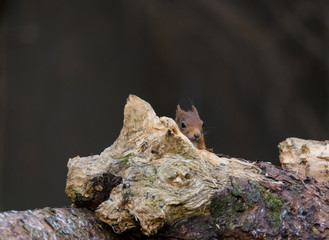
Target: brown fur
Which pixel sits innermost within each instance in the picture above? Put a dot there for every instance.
(193, 129)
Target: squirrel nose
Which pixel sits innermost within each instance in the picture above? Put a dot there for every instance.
(196, 136)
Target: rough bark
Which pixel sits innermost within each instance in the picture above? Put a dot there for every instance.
(306, 156)
(152, 183)
(154, 180)
(53, 223)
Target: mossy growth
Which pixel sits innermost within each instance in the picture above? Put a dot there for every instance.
(236, 191)
(227, 207)
(315, 231)
(124, 160)
(219, 207)
(274, 204)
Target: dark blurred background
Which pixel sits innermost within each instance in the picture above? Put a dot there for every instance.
(257, 72)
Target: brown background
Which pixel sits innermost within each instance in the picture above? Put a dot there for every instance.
(257, 72)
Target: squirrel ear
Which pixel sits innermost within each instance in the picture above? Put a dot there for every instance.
(194, 110)
(179, 112)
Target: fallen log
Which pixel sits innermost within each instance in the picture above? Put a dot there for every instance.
(308, 157)
(53, 223)
(152, 183)
(154, 180)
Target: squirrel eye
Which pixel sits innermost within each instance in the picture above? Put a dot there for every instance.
(183, 125)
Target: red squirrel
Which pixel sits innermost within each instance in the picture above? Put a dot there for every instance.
(191, 126)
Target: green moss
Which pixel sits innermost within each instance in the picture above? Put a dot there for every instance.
(247, 225)
(219, 208)
(274, 204)
(226, 210)
(253, 194)
(237, 191)
(236, 201)
(276, 221)
(271, 201)
(124, 160)
(315, 231)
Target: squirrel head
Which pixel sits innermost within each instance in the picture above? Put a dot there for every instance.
(190, 123)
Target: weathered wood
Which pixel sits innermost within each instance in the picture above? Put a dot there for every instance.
(53, 223)
(153, 179)
(308, 157)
